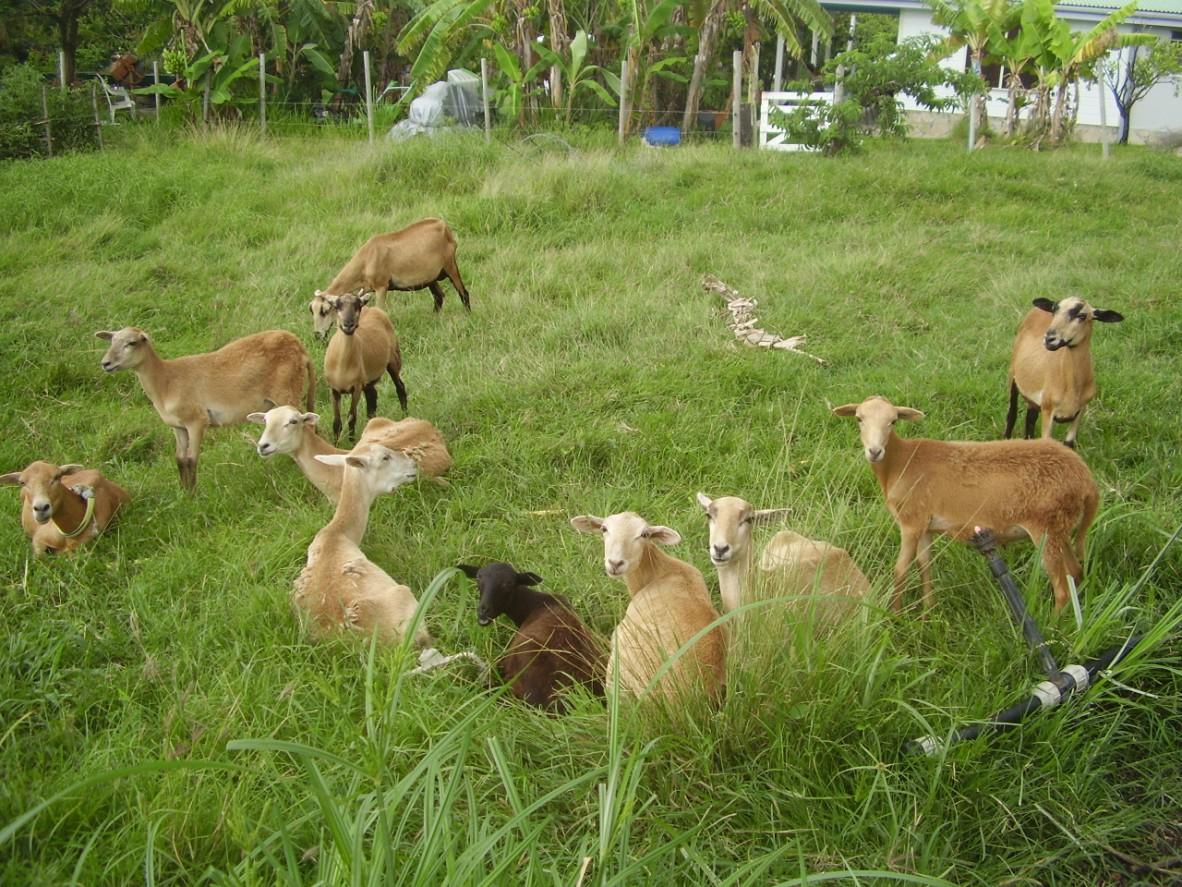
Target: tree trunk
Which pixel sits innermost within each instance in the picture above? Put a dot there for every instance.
(67, 28)
(707, 37)
(1011, 124)
(1123, 138)
(558, 43)
(356, 33)
(1057, 116)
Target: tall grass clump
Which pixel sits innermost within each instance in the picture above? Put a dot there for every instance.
(162, 718)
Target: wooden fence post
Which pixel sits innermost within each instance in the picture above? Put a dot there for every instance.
(205, 98)
(778, 79)
(484, 99)
(368, 96)
(1103, 117)
(61, 68)
(623, 99)
(98, 126)
(45, 111)
(737, 99)
(156, 83)
(263, 92)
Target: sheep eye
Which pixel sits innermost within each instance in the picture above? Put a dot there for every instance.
(292, 422)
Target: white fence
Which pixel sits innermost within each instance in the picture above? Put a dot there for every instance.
(771, 135)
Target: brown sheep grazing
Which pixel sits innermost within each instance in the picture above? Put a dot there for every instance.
(1019, 489)
(552, 649)
(1051, 366)
(414, 258)
(63, 508)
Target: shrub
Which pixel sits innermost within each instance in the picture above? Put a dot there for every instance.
(22, 127)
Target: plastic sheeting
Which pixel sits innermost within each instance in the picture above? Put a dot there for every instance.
(442, 106)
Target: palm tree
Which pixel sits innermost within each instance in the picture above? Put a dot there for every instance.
(785, 16)
(971, 22)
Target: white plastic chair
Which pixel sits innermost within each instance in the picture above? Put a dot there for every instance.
(118, 98)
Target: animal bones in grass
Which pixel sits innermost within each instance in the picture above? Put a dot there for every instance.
(743, 321)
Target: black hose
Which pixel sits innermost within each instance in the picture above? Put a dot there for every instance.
(1048, 694)
(985, 543)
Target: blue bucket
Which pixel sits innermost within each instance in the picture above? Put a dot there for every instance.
(662, 136)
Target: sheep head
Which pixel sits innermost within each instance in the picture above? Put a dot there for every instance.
(1071, 321)
(625, 538)
(876, 421)
(283, 430)
(730, 520)
(382, 470)
(41, 486)
(129, 346)
(497, 583)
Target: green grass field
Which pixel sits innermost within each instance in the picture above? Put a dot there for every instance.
(165, 721)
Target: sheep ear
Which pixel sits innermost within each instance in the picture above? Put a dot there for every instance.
(366, 298)
(662, 535)
(847, 409)
(13, 477)
(1105, 316)
(269, 404)
(1045, 304)
(71, 468)
(587, 523)
(355, 461)
(310, 418)
(257, 418)
(105, 335)
(704, 500)
(468, 570)
(909, 414)
(766, 515)
(529, 579)
(337, 459)
(317, 294)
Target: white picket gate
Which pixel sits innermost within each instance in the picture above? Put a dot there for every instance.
(772, 136)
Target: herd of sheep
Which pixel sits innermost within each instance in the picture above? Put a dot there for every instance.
(670, 640)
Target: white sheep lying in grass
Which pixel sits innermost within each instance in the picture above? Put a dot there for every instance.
(339, 587)
(217, 388)
(1016, 488)
(789, 565)
(1051, 365)
(669, 605)
(63, 508)
(288, 430)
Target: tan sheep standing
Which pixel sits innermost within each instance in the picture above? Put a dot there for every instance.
(363, 348)
(221, 387)
(1051, 365)
(1019, 489)
(669, 605)
(65, 507)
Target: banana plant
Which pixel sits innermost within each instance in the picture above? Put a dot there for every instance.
(575, 74)
(511, 101)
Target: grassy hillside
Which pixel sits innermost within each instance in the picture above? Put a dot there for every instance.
(593, 375)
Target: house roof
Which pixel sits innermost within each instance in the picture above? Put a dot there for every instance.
(1160, 13)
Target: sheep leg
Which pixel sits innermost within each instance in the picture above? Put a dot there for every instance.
(1031, 418)
(379, 296)
(1047, 414)
(194, 435)
(354, 396)
(925, 569)
(1012, 415)
(436, 294)
(452, 270)
(371, 399)
(908, 543)
(336, 414)
(393, 370)
(1053, 562)
(1073, 428)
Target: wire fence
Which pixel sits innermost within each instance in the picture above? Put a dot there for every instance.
(75, 119)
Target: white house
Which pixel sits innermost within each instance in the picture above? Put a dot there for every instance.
(1159, 113)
